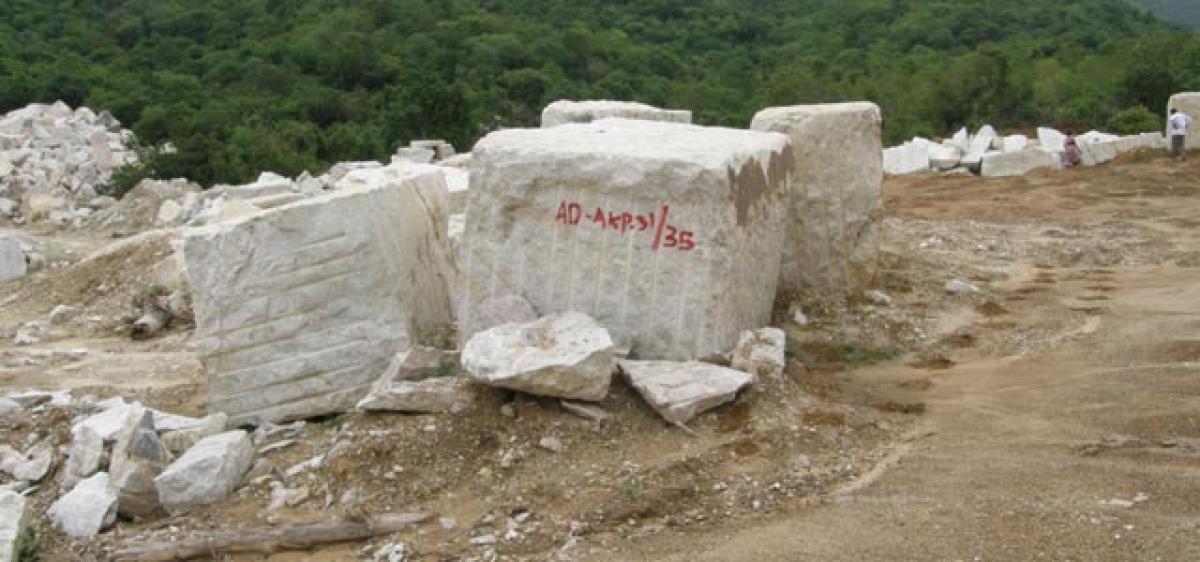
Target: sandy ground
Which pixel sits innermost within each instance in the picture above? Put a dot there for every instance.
(1053, 415)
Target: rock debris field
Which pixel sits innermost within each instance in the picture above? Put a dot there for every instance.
(606, 338)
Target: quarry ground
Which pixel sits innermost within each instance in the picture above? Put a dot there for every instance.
(1053, 415)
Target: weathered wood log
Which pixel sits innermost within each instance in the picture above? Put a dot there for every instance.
(270, 540)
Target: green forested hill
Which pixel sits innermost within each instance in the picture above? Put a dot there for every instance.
(247, 85)
(1183, 12)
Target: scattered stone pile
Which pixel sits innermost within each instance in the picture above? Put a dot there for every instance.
(123, 460)
(989, 154)
(51, 155)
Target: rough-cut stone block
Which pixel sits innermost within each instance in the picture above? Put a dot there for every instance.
(298, 309)
(669, 235)
(206, 473)
(1002, 164)
(835, 196)
(908, 158)
(680, 391)
(1189, 103)
(564, 111)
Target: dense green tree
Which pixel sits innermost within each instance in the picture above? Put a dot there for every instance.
(242, 86)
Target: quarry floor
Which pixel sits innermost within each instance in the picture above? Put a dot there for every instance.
(1019, 457)
(1054, 415)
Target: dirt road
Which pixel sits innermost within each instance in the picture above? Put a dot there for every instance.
(1086, 447)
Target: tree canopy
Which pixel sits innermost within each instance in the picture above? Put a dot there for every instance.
(241, 86)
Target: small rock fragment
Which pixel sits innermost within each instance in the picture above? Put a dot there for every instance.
(585, 411)
(87, 509)
(62, 314)
(206, 473)
(761, 352)
(552, 444)
(960, 287)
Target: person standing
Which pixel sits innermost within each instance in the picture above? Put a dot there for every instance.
(1178, 126)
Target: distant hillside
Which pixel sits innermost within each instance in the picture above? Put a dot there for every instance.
(1186, 12)
(241, 86)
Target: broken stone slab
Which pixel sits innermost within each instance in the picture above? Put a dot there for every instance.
(908, 158)
(681, 391)
(1189, 103)
(138, 458)
(1005, 164)
(761, 352)
(832, 237)
(944, 158)
(565, 355)
(299, 308)
(427, 396)
(179, 440)
(207, 473)
(668, 235)
(13, 520)
(87, 509)
(1051, 140)
(85, 456)
(563, 112)
(12, 259)
(979, 146)
(421, 379)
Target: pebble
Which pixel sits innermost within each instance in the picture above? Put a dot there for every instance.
(552, 444)
(960, 287)
(484, 540)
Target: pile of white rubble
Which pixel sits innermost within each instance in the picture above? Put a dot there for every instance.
(51, 155)
(990, 154)
(124, 459)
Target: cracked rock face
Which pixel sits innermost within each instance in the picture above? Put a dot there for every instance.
(668, 235)
(681, 391)
(567, 355)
